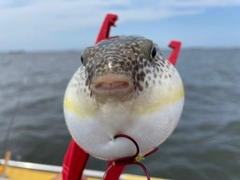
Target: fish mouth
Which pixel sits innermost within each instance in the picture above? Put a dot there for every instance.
(112, 84)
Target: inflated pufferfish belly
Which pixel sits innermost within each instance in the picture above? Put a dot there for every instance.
(124, 86)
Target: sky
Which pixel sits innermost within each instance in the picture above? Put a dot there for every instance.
(53, 25)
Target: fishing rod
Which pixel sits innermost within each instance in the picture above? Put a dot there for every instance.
(13, 118)
(10, 128)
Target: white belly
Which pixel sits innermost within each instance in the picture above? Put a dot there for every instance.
(96, 136)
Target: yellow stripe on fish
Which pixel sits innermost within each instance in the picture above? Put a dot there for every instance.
(160, 101)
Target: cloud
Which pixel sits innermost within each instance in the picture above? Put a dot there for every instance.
(203, 3)
(57, 15)
(24, 19)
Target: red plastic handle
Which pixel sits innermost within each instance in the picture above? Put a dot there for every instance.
(175, 45)
(74, 162)
(109, 21)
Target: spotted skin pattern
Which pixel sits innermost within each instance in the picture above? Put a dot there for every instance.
(153, 107)
(127, 57)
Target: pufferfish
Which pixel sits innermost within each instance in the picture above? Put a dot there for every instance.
(124, 86)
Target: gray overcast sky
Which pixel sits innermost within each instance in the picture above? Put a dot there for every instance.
(66, 25)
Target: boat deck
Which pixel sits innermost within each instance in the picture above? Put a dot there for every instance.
(32, 171)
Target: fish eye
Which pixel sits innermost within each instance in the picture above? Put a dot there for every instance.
(154, 52)
(85, 55)
(82, 59)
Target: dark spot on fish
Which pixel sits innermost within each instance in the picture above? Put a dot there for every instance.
(115, 69)
(121, 63)
(136, 68)
(86, 82)
(145, 63)
(146, 84)
(148, 71)
(139, 86)
(142, 74)
(128, 63)
(161, 62)
(138, 77)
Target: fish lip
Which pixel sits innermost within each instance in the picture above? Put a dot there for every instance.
(112, 84)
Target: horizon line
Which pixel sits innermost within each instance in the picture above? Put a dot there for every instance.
(21, 51)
